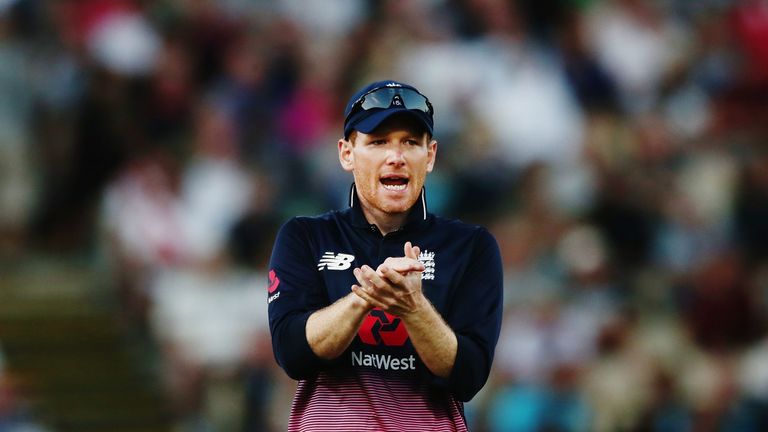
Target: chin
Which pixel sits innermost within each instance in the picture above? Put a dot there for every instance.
(398, 207)
(395, 210)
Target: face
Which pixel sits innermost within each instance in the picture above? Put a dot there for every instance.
(389, 165)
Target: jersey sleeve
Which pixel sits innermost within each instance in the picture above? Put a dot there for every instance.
(475, 317)
(295, 292)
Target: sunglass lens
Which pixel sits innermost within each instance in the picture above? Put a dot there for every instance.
(413, 100)
(382, 98)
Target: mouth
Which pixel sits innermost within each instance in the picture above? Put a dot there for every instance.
(394, 182)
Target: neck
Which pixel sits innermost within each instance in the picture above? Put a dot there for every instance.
(385, 222)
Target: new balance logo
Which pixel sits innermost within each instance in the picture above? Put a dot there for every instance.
(331, 261)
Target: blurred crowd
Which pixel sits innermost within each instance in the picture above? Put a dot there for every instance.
(617, 149)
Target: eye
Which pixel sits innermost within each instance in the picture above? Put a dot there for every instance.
(413, 142)
(378, 142)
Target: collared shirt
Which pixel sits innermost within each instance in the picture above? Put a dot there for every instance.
(379, 382)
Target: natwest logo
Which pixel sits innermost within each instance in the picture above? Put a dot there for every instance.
(274, 282)
(380, 327)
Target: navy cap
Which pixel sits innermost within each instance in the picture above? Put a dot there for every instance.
(367, 121)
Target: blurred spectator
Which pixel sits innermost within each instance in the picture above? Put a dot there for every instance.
(216, 190)
(718, 308)
(754, 372)
(636, 42)
(142, 213)
(205, 322)
(17, 174)
(751, 206)
(142, 223)
(751, 31)
(15, 414)
(530, 408)
(695, 227)
(501, 92)
(592, 84)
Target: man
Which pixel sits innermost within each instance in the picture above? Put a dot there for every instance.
(386, 314)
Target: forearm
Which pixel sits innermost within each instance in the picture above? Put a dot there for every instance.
(330, 330)
(432, 338)
(395, 287)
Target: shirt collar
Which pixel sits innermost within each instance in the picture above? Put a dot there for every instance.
(417, 214)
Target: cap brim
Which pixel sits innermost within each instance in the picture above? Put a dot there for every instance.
(375, 119)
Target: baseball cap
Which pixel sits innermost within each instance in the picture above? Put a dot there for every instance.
(376, 102)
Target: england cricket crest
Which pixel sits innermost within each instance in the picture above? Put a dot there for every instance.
(428, 259)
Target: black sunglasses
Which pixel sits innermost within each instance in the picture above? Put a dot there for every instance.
(384, 97)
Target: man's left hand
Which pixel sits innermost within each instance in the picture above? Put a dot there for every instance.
(395, 286)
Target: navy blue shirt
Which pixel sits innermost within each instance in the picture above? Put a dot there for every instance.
(311, 267)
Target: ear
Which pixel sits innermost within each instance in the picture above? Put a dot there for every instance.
(346, 156)
(431, 155)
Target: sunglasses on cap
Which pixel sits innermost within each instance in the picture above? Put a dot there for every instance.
(386, 97)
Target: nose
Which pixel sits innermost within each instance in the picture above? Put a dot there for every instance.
(395, 156)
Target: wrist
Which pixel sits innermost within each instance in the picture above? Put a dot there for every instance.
(420, 306)
(358, 304)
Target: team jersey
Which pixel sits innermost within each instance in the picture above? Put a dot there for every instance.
(379, 383)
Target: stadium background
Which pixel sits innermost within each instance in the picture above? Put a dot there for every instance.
(616, 148)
